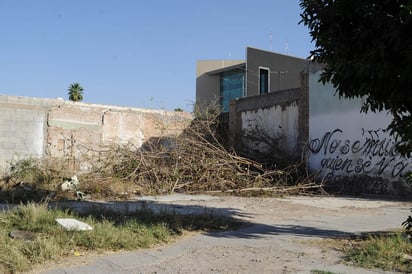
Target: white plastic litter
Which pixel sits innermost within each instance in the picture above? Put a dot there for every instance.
(73, 224)
(72, 184)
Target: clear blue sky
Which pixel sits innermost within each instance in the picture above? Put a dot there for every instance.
(136, 53)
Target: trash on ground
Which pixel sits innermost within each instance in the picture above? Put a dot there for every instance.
(21, 235)
(73, 224)
(72, 184)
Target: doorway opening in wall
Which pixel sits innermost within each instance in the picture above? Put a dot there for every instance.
(264, 80)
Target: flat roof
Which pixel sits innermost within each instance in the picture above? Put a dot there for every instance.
(241, 66)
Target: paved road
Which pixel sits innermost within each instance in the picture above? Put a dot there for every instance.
(283, 237)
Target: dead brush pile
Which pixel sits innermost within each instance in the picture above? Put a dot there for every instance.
(33, 179)
(195, 161)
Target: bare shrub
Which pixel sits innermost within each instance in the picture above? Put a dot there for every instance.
(33, 179)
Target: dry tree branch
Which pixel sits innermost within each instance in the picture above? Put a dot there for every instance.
(195, 161)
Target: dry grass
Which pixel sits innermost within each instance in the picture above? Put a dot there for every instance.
(111, 232)
(390, 251)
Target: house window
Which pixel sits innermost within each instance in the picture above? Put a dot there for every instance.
(232, 86)
(263, 80)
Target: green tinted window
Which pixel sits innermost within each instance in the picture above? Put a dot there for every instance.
(231, 87)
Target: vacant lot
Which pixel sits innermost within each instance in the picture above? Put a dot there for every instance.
(284, 236)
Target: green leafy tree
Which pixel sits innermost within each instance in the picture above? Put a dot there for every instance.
(75, 92)
(366, 46)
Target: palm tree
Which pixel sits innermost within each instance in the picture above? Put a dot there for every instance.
(75, 92)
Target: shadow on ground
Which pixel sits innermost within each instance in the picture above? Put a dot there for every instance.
(220, 222)
(255, 231)
(211, 219)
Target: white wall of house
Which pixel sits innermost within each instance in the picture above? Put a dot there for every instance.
(344, 142)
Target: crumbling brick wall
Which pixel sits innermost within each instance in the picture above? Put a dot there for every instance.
(76, 131)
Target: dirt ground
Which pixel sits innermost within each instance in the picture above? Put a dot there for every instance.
(285, 235)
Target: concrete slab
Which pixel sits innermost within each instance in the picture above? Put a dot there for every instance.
(73, 224)
(336, 203)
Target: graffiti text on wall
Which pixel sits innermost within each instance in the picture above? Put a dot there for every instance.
(372, 154)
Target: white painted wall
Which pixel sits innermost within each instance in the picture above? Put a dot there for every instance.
(344, 142)
(278, 122)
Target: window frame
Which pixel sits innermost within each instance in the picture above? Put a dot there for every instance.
(259, 80)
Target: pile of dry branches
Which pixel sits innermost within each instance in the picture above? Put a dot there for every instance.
(195, 161)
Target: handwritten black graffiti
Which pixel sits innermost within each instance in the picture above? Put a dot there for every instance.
(329, 144)
(384, 166)
(364, 184)
(372, 154)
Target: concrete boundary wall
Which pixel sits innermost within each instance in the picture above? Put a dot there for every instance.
(262, 123)
(54, 128)
(23, 128)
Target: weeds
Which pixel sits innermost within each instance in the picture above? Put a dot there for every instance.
(390, 251)
(32, 180)
(111, 232)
